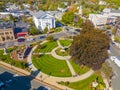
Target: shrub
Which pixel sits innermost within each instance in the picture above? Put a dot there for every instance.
(50, 38)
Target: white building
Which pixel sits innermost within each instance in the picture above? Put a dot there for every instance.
(111, 12)
(106, 17)
(98, 19)
(43, 20)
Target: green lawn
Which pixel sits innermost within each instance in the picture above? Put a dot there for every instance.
(58, 52)
(79, 69)
(86, 83)
(50, 65)
(58, 29)
(65, 42)
(46, 47)
(6, 58)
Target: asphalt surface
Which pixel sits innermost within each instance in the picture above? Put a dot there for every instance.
(115, 82)
(15, 81)
(36, 39)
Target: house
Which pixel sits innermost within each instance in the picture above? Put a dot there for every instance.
(43, 20)
(62, 9)
(12, 8)
(57, 14)
(102, 3)
(4, 14)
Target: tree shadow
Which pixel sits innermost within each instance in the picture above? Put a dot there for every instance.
(42, 47)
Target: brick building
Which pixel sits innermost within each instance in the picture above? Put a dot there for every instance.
(6, 34)
(6, 31)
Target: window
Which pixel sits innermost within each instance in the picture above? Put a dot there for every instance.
(3, 38)
(10, 32)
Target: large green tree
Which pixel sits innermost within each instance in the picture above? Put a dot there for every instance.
(68, 17)
(90, 48)
(34, 31)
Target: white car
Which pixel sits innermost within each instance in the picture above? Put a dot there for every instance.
(29, 39)
(113, 58)
(116, 60)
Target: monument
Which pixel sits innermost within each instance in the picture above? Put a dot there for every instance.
(5, 51)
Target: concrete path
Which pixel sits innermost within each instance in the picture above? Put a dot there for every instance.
(61, 45)
(57, 56)
(53, 80)
(50, 79)
(41, 53)
(71, 68)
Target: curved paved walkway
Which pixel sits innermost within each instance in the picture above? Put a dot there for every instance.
(53, 80)
(57, 56)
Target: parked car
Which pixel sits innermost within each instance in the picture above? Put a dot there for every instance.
(42, 36)
(112, 58)
(29, 39)
(21, 39)
(116, 60)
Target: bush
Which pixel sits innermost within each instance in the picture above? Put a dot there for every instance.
(108, 27)
(116, 39)
(113, 31)
(46, 30)
(50, 38)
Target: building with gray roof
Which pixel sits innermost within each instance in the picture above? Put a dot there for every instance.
(43, 19)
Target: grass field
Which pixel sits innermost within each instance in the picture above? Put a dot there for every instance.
(46, 47)
(86, 83)
(79, 69)
(65, 42)
(51, 66)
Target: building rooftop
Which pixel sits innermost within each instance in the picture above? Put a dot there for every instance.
(39, 14)
(5, 25)
(115, 11)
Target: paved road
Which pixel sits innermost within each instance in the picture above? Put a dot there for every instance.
(115, 51)
(15, 81)
(116, 70)
(56, 36)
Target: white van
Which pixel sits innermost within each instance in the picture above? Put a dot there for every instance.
(116, 60)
